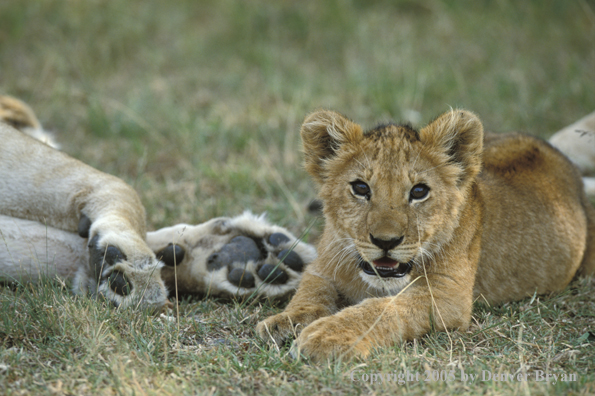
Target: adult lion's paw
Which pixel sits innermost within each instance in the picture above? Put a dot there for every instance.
(231, 257)
(332, 337)
(121, 268)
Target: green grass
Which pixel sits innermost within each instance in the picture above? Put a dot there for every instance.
(198, 106)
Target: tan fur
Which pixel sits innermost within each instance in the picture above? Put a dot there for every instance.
(577, 142)
(30, 250)
(520, 226)
(20, 116)
(45, 186)
(44, 193)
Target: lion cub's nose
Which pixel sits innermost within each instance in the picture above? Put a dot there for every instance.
(386, 244)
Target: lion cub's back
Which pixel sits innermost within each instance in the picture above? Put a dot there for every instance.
(534, 219)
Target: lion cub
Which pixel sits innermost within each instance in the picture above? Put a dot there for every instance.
(421, 223)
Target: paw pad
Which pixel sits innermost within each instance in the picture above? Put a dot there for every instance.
(171, 255)
(291, 259)
(241, 278)
(251, 257)
(239, 249)
(113, 255)
(84, 226)
(264, 253)
(119, 284)
(278, 238)
(275, 276)
(100, 258)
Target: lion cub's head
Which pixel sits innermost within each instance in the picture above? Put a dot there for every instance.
(392, 195)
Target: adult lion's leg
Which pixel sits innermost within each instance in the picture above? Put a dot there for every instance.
(30, 250)
(588, 264)
(577, 142)
(238, 257)
(41, 184)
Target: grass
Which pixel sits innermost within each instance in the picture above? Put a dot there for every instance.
(198, 106)
(55, 343)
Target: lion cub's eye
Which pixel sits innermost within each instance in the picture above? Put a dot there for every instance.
(360, 188)
(419, 191)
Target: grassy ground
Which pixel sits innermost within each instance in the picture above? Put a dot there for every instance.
(198, 106)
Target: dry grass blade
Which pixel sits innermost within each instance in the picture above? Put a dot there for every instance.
(205, 93)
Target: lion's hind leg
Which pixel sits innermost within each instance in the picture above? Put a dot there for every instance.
(41, 184)
(577, 142)
(30, 250)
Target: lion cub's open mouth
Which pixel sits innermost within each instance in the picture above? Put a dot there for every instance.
(386, 267)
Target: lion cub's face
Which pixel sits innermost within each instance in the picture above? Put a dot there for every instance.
(391, 195)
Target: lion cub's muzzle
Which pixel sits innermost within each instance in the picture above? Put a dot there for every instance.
(385, 267)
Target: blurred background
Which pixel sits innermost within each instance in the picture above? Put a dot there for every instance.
(198, 104)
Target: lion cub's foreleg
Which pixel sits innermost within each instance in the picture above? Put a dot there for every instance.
(315, 298)
(383, 322)
(375, 322)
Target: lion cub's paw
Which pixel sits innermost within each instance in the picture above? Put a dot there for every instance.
(331, 337)
(288, 325)
(232, 257)
(278, 328)
(131, 279)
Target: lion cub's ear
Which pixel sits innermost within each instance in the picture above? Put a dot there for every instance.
(323, 133)
(459, 135)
